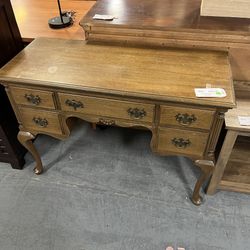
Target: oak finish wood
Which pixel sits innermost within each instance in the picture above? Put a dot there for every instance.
(167, 23)
(106, 107)
(45, 97)
(202, 118)
(26, 139)
(123, 86)
(243, 109)
(28, 115)
(130, 71)
(198, 141)
(232, 170)
(33, 15)
(207, 168)
(226, 8)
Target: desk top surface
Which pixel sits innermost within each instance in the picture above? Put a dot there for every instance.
(32, 18)
(242, 109)
(163, 15)
(153, 73)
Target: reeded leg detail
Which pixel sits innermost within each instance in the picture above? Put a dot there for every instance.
(207, 168)
(25, 138)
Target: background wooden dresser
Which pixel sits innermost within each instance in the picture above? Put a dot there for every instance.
(168, 23)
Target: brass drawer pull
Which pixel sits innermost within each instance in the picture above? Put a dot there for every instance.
(185, 119)
(75, 104)
(136, 113)
(34, 99)
(40, 122)
(106, 122)
(181, 143)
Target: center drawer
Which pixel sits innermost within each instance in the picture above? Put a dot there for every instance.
(107, 107)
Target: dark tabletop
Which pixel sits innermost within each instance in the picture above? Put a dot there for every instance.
(163, 14)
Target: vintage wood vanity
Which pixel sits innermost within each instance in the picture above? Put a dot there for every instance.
(53, 80)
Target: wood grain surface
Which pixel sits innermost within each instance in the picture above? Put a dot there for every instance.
(45, 97)
(106, 107)
(198, 141)
(203, 118)
(153, 73)
(32, 17)
(226, 8)
(242, 109)
(122, 86)
(236, 176)
(167, 23)
(232, 169)
(28, 115)
(162, 15)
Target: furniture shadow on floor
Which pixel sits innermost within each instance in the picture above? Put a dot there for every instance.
(115, 158)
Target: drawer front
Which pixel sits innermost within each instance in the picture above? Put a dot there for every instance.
(186, 117)
(33, 97)
(182, 141)
(106, 107)
(42, 121)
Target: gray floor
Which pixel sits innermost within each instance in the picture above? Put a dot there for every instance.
(105, 190)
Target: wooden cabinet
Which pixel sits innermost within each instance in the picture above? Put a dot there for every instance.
(11, 150)
(232, 170)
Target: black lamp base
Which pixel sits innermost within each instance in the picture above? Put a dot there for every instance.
(56, 22)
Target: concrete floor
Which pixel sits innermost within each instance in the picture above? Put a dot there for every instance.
(105, 190)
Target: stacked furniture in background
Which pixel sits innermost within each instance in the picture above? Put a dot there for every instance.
(232, 170)
(167, 23)
(11, 150)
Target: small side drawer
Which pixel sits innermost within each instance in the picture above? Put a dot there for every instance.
(106, 107)
(182, 141)
(186, 117)
(42, 121)
(33, 97)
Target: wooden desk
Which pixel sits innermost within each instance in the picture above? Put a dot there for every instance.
(171, 23)
(51, 81)
(32, 17)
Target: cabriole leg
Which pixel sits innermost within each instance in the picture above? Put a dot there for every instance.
(207, 168)
(25, 138)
